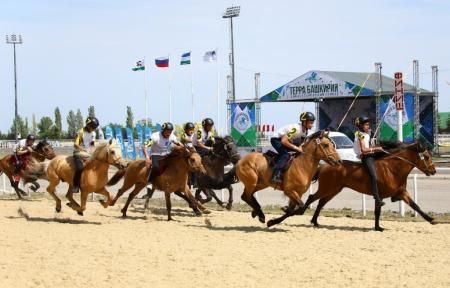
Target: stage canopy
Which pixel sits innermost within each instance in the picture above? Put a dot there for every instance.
(315, 85)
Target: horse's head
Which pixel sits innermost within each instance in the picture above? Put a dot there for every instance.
(45, 149)
(195, 162)
(324, 148)
(425, 160)
(111, 153)
(226, 148)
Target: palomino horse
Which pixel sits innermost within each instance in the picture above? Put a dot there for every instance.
(174, 178)
(43, 150)
(93, 178)
(254, 171)
(392, 171)
(224, 152)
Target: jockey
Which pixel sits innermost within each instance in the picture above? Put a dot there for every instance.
(22, 149)
(204, 137)
(187, 136)
(367, 154)
(83, 147)
(160, 146)
(284, 139)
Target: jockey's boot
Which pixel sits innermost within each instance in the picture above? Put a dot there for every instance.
(276, 177)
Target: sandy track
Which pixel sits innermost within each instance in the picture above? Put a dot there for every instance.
(229, 249)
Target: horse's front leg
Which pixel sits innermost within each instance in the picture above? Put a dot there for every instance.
(405, 196)
(105, 193)
(230, 198)
(295, 199)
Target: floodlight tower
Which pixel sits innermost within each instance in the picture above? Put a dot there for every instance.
(15, 39)
(230, 13)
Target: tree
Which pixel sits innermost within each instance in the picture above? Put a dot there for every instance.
(45, 128)
(33, 124)
(71, 124)
(57, 129)
(79, 120)
(91, 111)
(22, 128)
(130, 118)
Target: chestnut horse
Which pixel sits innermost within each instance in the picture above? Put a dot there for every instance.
(254, 172)
(392, 172)
(43, 150)
(93, 178)
(174, 178)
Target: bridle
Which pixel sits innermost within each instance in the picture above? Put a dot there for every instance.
(421, 157)
(327, 155)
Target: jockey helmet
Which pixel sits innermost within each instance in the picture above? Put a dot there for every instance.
(92, 122)
(31, 137)
(307, 116)
(207, 121)
(361, 120)
(189, 125)
(167, 126)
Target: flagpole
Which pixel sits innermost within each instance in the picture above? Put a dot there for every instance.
(170, 93)
(218, 94)
(192, 94)
(146, 95)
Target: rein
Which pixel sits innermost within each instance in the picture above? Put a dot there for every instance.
(407, 161)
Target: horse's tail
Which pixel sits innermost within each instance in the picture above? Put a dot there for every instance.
(116, 177)
(35, 171)
(316, 175)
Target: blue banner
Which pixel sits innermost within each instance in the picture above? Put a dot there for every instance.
(147, 133)
(109, 134)
(131, 150)
(140, 140)
(119, 138)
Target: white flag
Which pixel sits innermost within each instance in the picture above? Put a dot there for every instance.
(210, 56)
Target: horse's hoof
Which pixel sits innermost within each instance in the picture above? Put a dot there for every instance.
(198, 213)
(284, 208)
(80, 213)
(58, 209)
(270, 223)
(254, 214)
(104, 204)
(262, 219)
(206, 211)
(229, 206)
(124, 215)
(379, 229)
(433, 222)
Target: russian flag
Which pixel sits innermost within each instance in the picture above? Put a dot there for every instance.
(162, 62)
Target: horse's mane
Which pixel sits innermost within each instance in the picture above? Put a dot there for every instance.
(98, 148)
(395, 147)
(313, 136)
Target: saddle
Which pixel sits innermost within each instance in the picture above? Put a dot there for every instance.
(272, 158)
(24, 158)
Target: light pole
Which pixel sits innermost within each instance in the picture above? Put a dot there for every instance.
(231, 12)
(13, 39)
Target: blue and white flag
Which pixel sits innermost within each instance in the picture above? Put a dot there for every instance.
(140, 140)
(131, 150)
(186, 58)
(109, 133)
(119, 139)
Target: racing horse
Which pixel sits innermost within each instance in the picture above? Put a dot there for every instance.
(173, 177)
(93, 178)
(392, 172)
(224, 152)
(43, 150)
(254, 171)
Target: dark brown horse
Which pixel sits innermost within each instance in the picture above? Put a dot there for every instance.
(392, 172)
(254, 171)
(43, 150)
(173, 179)
(224, 152)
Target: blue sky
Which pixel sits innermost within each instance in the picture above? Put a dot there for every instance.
(80, 53)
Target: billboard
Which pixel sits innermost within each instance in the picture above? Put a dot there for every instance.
(243, 124)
